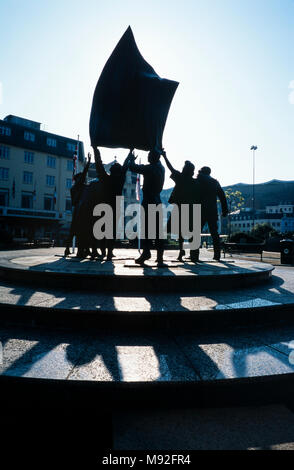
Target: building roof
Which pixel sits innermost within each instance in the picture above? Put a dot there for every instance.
(259, 215)
(40, 143)
(23, 122)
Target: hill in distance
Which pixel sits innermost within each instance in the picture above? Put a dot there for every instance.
(266, 194)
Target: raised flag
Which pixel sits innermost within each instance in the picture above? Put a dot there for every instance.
(131, 102)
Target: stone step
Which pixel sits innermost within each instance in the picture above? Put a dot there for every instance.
(31, 305)
(48, 267)
(247, 366)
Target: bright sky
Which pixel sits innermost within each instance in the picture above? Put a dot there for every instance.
(234, 60)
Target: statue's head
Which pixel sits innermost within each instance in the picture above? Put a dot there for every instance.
(188, 168)
(153, 156)
(205, 170)
(115, 169)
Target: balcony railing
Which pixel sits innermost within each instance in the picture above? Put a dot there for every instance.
(30, 213)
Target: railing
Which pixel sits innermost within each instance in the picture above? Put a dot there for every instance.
(38, 214)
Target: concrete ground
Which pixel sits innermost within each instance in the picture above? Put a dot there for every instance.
(279, 290)
(114, 356)
(146, 357)
(236, 428)
(52, 260)
(157, 355)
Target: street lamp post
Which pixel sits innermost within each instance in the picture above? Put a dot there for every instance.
(253, 148)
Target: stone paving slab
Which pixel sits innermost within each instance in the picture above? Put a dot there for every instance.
(279, 291)
(50, 268)
(123, 264)
(147, 357)
(250, 352)
(236, 428)
(232, 360)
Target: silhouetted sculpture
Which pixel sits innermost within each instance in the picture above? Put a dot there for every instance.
(76, 193)
(131, 102)
(129, 110)
(93, 195)
(153, 174)
(184, 192)
(111, 186)
(210, 190)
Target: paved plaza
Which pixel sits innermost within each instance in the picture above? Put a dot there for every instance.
(157, 354)
(112, 356)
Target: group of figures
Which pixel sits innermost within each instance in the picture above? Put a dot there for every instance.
(188, 190)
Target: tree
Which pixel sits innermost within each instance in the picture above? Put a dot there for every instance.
(263, 231)
(235, 199)
(235, 202)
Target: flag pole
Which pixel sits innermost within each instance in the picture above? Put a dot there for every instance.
(74, 172)
(139, 213)
(78, 148)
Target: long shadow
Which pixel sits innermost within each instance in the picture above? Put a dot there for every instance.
(273, 291)
(109, 352)
(162, 358)
(24, 363)
(239, 347)
(176, 357)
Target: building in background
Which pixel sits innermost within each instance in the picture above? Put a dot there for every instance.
(280, 217)
(36, 169)
(285, 208)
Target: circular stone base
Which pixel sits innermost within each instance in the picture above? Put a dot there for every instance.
(49, 267)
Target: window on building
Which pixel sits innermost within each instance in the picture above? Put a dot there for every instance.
(4, 173)
(48, 202)
(29, 136)
(50, 180)
(134, 179)
(69, 165)
(133, 193)
(68, 204)
(26, 200)
(71, 147)
(51, 161)
(4, 152)
(51, 142)
(68, 183)
(29, 157)
(27, 177)
(5, 130)
(4, 197)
